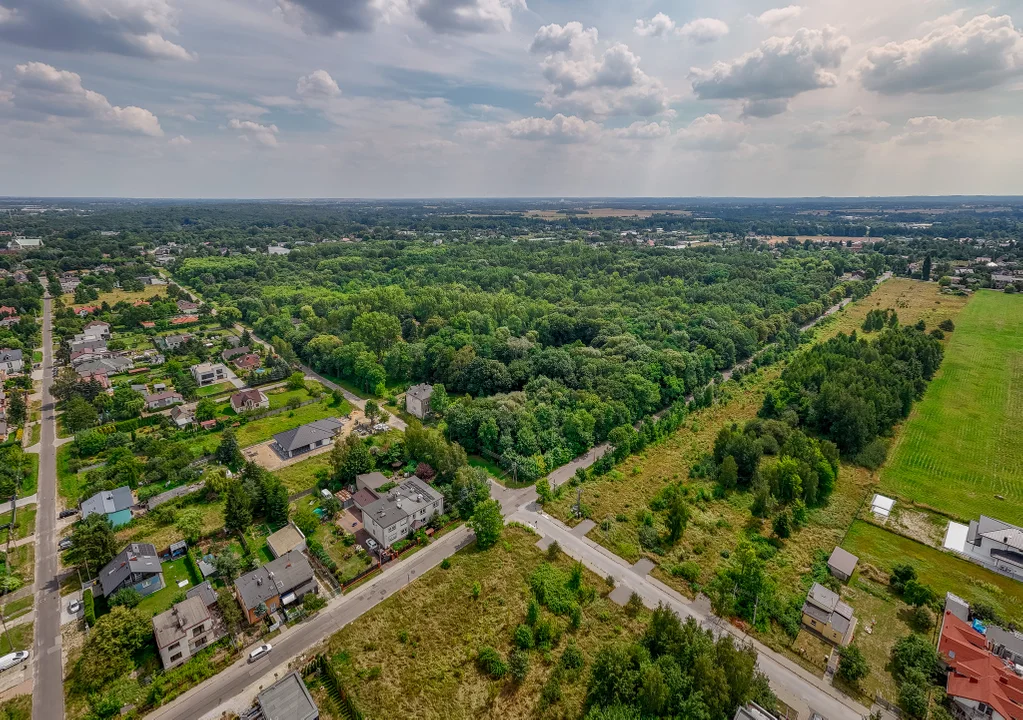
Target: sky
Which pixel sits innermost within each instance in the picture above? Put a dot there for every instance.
(497, 98)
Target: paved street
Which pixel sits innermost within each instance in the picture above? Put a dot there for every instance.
(48, 697)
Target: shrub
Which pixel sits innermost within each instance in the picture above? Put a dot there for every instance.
(634, 605)
(553, 551)
(921, 618)
(313, 602)
(649, 538)
(575, 617)
(518, 665)
(688, 571)
(901, 574)
(572, 657)
(489, 662)
(524, 637)
(128, 597)
(547, 633)
(89, 604)
(551, 692)
(445, 563)
(947, 325)
(852, 666)
(873, 455)
(533, 611)
(782, 524)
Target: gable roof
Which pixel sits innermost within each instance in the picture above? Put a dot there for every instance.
(290, 571)
(421, 391)
(234, 352)
(107, 502)
(976, 673)
(136, 558)
(305, 435)
(173, 625)
(253, 394)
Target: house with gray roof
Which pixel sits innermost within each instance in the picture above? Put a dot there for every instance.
(306, 438)
(114, 504)
(287, 699)
(842, 564)
(826, 614)
(400, 511)
(996, 545)
(11, 361)
(185, 630)
(104, 366)
(203, 591)
(275, 585)
(136, 566)
(417, 400)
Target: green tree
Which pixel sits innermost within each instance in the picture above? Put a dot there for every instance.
(852, 666)
(93, 544)
(372, 409)
(296, 381)
(228, 453)
(237, 509)
(107, 653)
(470, 487)
(487, 522)
(228, 566)
(16, 410)
(728, 473)
(127, 403)
(79, 414)
(275, 501)
(205, 410)
(350, 457)
(377, 330)
(925, 272)
(229, 610)
(128, 597)
(189, 523)
(305, 520)
(678, 516)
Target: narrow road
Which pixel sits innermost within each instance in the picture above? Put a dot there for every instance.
(48, 694)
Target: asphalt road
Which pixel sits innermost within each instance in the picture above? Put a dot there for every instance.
(48, 690)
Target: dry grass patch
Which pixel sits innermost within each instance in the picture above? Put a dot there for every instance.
(913, 300)
(413, 656)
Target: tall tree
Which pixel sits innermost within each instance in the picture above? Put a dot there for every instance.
(487, 522)
(93, 544)
(228, 453)
(237, 509)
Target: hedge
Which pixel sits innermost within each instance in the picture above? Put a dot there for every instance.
(90, 607)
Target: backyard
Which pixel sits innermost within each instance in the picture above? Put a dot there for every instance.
(302, 475)
(959, 451)
(173, 573)
(351, 559)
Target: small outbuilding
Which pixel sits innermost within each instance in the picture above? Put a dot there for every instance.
(842, 564)
(287, 699)
(285, 540)
(882, 506)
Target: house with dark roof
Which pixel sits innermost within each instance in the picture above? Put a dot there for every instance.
(106, 365)
(287, 699)
(136, 566)
(114, 504)
(172, 342)
(187, 305)
(249, 361)
(249, 400)
(184, 630)
(234, 352)
(996, 545)
(11, 361)
(277, 584)
(826, 614)
(400, 511)
(980, 684)
(417, 400)
(306, 438)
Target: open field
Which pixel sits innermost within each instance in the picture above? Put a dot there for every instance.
(17, 708)
(961, 447)
(115, 296)
(941, 570)
(148, 530)
(263, 429)
(413, 656)
(302, 475)
(913, 300)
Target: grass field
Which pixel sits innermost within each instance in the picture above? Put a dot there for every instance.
(115, 296)
(162, 599)
(263, 429)
(67, 481)
(30, 483)
(940, 570)
(18, 637)
(961, 447)
(302, 475)
(25, 523)
(214, 390)
(17, 708)
(413, 655)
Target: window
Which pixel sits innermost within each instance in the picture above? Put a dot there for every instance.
(198, 631)
(200, 642)
(175, 646)
(175, 658)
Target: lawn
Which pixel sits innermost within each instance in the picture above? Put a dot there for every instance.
(941, 570)
(162, 599)
(263, 429)
(26, 523)
(280, 397)
(960, 451)
(148, 530)
(18, 637)
(67, 481)
(22, 560)
(351, 560)
(18, 607)
(37, 432)
(302, 475)
(213, 390)
(413, 655)
(115, 296)
(30, 483)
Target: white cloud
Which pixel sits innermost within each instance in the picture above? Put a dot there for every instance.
(317, 85)
(560, 128)
(711, 133)
(262, 134)
(282, 101)
(180, 141)
(982, 53)
(641, 130)
(327, 17)
(241, 109)
(453, 17)
(42, 89)
(931, 129)
(123, 27)
(779, 16)
(660, 24)
(780, 69)
(588, 82)
(467, 16)
(704, 30)
(856, 125)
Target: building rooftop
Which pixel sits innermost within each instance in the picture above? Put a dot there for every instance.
(276, 577)
(287, 538)
(403, 501)
(288, 699)
(843, 561)
(421, 391)
(136, 558)
(173, 625)
(307, 434)
(203, 591)
(106, 502)
(977, 674)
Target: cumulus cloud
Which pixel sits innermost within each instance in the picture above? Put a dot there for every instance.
(779, 16)
(179, 141)
(641, 130)
(779, 70)
(982, 53)
(560, 128)
(329, 17)
(930, 129)
(467, 16)
(856, 125)
(317, 85)
(659, 24)
(704, 30)
(584, 80)
(712, 133)
(123, 27)
(43, 90)
(262, 134)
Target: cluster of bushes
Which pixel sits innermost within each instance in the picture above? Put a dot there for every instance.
(925, 601)
(915, 667)
(89, 607)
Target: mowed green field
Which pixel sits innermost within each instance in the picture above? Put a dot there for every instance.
(962, 447)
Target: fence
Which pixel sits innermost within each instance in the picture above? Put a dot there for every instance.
(890, 707)
(335, 689)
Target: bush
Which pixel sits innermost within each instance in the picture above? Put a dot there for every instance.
(782, 524)
(572, 657)
(523, 637)
(128, 597)
(921, 618)
(649, 538)
(852, 666)
(873, 455)
(553, 551)
(89, 604)
(445, 563)
(313, 602)
(518, 665)
(947, 325)
(901, 574)
(489, 662)
(547, 633)
(688, 571)
(634, 605)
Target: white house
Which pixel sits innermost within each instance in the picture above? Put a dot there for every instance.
(996, 545)
(10, 360)
(401, 511)
(417, 400)
(209, 373)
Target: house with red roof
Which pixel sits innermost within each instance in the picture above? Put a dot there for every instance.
(251, 361)
(184, 319)
(8, 310)
(87, 310)
(981, 684)
(148, 324)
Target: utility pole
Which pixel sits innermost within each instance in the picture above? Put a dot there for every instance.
(6, 633)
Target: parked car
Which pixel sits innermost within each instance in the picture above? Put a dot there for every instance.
(69, 512)
(74, 607)
(11, 659)
(371, 544)
(259, 652)
(65, 544)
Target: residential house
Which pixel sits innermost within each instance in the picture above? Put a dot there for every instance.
(842, 564)
(184, 630)
(209, 373)
(826, 614)
(89, 354)
(100, 377)
(234, 352)
(204, 591)
(173, 342)
(1000, 281)
(114, 504)
(752, 711)
(417, 400)
(87, 310)
(277, 250)
(401, 511)
(997, 545)
(10, 321)
(980, 684)
(187, 306)
(106, 365)
(306, 438)
(249, 400)
(8, 310)
(10, 360)
(285, 540)
(287, 699)
(163, 399)
(181, 416)
(136, 566)
(69, 285)
(248, 362)
(371, 481)
(275, 585)
(96, 328)
(184, 319)
(25, 243)
(148, 324)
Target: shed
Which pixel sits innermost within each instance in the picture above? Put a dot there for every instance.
(882, 506)
(206, 566)
(178, 549)
(285, 540)
(842, 564)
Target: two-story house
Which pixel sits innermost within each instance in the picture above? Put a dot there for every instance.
(136, 566)
(184, 630)
(249, 400)
(10, 360)
(277, 584)
(209, 373)
(404, 509)
(826, 614)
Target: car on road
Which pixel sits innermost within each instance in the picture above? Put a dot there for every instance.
(371, 544)
(65, 544)
(11, 659)
(69, 512)
(259, 652)
(74, 607)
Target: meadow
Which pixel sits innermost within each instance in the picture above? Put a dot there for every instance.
(960, 450)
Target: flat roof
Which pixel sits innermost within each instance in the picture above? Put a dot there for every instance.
(288, 699)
